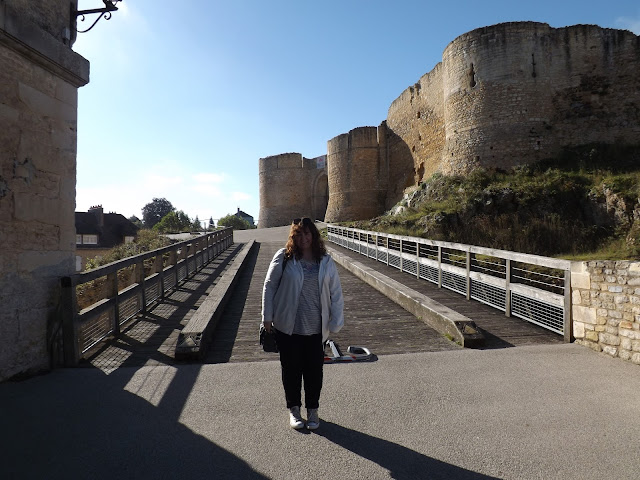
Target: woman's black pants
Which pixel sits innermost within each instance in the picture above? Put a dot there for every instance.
(301, 358)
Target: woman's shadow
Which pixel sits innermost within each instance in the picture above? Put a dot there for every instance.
(401, 462)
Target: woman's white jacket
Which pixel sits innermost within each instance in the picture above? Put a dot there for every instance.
(280, 298)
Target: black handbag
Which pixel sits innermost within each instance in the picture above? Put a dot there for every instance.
(268, 340)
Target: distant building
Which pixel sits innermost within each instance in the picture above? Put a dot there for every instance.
(245, 216)
(97, 232)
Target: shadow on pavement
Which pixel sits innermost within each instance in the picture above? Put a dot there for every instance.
(402, 462)
(119, 428)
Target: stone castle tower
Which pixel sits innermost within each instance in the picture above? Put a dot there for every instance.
(39, 79)
(504, 95)
(291, 186)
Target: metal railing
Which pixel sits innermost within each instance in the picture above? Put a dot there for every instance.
(534, 288)
(155, 274)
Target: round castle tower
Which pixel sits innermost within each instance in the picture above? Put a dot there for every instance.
(516, 93)
(357, 176)
(291, 186)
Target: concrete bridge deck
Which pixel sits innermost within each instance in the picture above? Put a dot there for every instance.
(541, 410)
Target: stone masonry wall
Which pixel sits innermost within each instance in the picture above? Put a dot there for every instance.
(416, 133)
(39, 77)
(606, 307)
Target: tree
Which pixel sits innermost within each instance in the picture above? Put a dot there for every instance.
(155, 211)
(197, 226)
(174, 222)
(136, 221)
(235, 222)
(212, 226)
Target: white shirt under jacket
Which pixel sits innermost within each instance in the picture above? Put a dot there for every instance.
(280, 303)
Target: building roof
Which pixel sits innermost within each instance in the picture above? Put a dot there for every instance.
(115, 227)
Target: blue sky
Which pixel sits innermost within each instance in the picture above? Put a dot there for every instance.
(185, 97)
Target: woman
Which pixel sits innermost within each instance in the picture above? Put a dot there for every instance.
(302, 302)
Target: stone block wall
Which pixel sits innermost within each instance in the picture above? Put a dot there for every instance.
(606, 307)
(39, 78)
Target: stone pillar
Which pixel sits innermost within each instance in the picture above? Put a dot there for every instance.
(39, 78)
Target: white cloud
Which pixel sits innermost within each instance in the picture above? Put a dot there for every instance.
(240, 196)
(209, 178)
(157, 182)
(207, 190)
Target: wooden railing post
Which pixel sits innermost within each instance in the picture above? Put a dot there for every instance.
(158, 267)
(139, 279)
(568, 323)
(439, 266)
(507, 300)
(468, 275)
(69, 309)
(112, 293)
(173, 261)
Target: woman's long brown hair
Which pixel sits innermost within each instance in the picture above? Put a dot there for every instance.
(317, 245)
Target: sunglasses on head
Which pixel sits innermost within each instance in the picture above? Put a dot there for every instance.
(298, 221)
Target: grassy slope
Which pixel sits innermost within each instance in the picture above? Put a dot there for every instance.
(580, 206)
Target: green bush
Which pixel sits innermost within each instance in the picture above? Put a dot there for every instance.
(145, 241)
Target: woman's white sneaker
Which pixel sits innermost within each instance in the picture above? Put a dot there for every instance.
(295, 419)
(313, 421)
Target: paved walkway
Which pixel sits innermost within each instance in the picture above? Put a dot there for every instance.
(534, 411)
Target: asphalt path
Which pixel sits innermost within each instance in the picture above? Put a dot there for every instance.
(549, 411)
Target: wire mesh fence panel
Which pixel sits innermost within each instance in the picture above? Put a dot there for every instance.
(394, 260)
(535, 311)
(169, 280)
(429, 273)
(129, 307)
(409, 266)
(93, 330)
(489, 294)
(152, 291)
(454, 282)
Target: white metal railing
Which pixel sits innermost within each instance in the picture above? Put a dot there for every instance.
(534, 288)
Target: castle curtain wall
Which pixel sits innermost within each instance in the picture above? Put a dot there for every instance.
(39, 77)
(415, 134)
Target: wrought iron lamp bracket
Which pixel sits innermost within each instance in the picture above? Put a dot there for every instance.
(109, 6)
